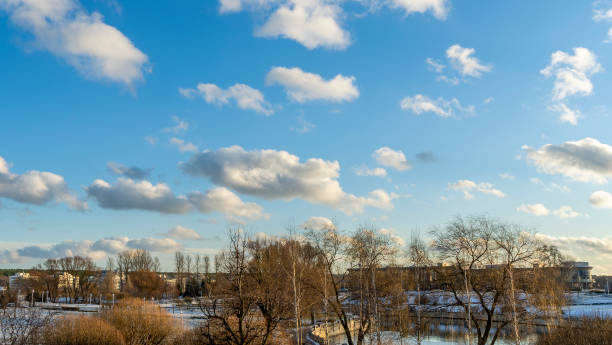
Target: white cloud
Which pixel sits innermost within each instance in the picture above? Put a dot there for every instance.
(312, 23)
(244, 96)
(488, 100)
(585, 160)
(572, 72)
(272, 174)
(600, 14)
(506, 176)
(163, 245)
(97, 250)
(395, 159)
(365, 171)
(434, 65)
(534, 209)
(439, 8)
(568, 115)
(419, 104)
(182, 233)
(180, 126)
(303, 87)
(132, 172)
(318, 23)
(36, 187)
(566, 212)
(601, 199)
(127, 194)
(143, 195)
(183, 146)
(223, 200)
(83, 40)
(468, 187)
(461, 59)
(319, 224)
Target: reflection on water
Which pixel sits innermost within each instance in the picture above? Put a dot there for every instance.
(442, 334)
(393, 338)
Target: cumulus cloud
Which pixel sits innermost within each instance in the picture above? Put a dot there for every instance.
(469, 187)
(303, 86)
(419, 104)
(572, 72)
(534, 209)
(506, 176)
(83, 40)
(568, 115)
(36, 187)
(585, 160)
(97, 250)
(439, 8)
(128, 194)
(312, 23)
(604, 14)
(565, 212)
(318, 224)
(395, 159)
(245, 97)
(601, 14)
(163, 245)
(223, 200)
(365, 171)
(463, 61)
(182, 145)
(318, 23)
(597, 250)
(132, 172)
(179, 126)
(272, 174)
(182, 233)
(601, 199)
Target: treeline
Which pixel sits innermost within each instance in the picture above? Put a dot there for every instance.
(493, 276)
(495, 273)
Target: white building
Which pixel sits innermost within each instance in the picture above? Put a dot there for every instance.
(15, 281)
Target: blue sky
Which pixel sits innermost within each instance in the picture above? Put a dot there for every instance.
(270, 112)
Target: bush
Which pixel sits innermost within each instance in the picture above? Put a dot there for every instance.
(141, 323)
(81, 330)
(587, 331)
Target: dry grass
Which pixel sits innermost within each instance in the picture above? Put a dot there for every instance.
(141, 323)
(81, 330)
(587, 331)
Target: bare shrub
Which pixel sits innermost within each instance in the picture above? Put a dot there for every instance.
(21, 326)
(141, 323)
(82, 330)
(586, 331)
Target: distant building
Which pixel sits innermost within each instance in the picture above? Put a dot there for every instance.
(602, 283)
(16, 281)
(579, 275)
(66, 280)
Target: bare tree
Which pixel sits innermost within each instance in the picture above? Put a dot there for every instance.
(492, 263)
(179, 266)
(236, 313)
(419, 259)
(368, 250)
